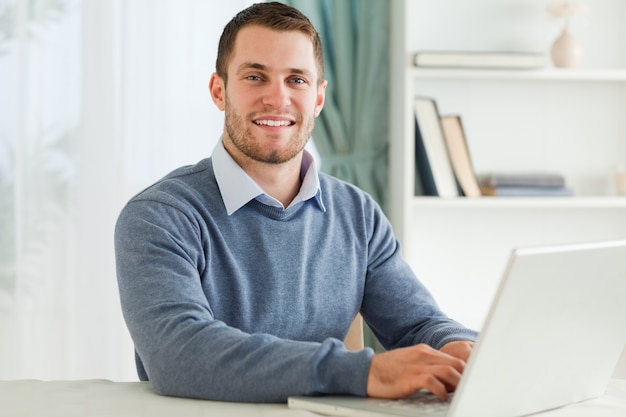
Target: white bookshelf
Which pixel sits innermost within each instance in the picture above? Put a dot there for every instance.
(571, 121)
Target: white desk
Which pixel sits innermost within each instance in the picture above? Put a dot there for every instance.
(100, 398)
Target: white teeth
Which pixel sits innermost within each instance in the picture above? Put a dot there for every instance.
(273, 122)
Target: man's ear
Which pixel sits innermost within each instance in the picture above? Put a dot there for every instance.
(321, 97)
(218, 91)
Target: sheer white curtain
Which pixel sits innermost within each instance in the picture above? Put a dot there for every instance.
(98, 98)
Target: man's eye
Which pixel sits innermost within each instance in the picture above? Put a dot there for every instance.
(253, 78)
(298, 80)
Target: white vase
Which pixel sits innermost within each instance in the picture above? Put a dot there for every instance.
(566, 50)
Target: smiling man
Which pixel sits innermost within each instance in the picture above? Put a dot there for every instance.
(239, 276)
(275, 92)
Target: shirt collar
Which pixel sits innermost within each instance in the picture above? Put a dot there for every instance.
(237, 188)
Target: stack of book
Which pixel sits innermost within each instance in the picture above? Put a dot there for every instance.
(527, 184)
(444, 166)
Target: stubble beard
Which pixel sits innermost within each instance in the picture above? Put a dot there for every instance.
(243, 139)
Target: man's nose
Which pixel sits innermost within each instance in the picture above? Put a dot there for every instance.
(276, 95)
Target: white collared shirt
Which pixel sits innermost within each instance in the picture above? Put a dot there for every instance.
(237, 188)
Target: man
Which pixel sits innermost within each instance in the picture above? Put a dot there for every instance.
(239, 276)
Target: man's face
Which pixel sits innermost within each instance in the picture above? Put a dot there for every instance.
(272, 96)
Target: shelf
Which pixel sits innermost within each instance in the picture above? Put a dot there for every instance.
(548, 74)
(601, 202)
(570, 121)
(567, 120)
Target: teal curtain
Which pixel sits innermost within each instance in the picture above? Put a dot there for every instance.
(351, 134)
(352, 131)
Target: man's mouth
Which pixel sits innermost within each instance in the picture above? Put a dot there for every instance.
(273, 123)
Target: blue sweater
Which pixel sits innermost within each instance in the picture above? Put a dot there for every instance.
(254, 306)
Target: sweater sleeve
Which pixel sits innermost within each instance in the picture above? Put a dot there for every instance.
(397, 306)
(184, 350)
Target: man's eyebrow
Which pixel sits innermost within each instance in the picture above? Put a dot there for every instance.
(301, 72)
(251, 65)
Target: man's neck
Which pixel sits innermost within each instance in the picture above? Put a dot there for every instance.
(280, 181)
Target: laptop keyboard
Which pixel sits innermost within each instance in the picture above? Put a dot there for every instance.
(423, 401)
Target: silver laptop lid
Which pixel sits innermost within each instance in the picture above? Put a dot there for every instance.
(553, 334)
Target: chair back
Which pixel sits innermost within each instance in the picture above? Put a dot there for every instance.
(354, 338)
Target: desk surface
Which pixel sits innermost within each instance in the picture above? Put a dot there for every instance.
(99, 398)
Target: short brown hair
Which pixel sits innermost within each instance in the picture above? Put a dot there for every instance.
(272, 15)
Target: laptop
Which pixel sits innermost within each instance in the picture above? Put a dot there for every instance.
(552, 337)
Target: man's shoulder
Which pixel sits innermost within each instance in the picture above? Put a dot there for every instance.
(183, 187)
(185, 177)
(188, 172)
(335, 190)
(187, 192)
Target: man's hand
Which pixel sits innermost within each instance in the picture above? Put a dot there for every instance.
(401, 372)
(460, 349)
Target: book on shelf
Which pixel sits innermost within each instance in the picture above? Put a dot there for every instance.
(523, 179)
(479, 59)
(433, 168)
(524, 184)
(525, 191)
(456, 143)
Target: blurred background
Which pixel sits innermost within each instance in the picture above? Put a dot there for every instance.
(98, 99)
